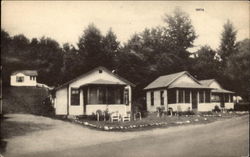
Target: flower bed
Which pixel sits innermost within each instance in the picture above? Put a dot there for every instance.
(152, 121)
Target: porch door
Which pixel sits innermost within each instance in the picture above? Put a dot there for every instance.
(85, 100)
(194, 100)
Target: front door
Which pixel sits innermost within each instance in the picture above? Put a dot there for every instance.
(194, 100)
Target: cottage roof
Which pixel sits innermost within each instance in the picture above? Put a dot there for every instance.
(166, 80)
(188, 85)
(210, 81)
(221, 91)
(206, 82)
(26, 72)
(104, 82)
(98, 68)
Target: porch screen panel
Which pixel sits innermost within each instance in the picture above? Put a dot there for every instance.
(101, 95)
(207, 97)
(201, 95)
(231, 98)
(181, 96)
(93, 99)
(187, 96)
(118, 96)
(172, 96)
(226, 97)
(215, 98)
(115, 95)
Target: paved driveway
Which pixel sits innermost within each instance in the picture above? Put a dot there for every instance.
(222, 138)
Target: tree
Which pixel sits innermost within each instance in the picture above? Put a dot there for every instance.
(71, 62)
(180, 32)
(228, 41)
(110, 49)
(237, 70)
(206, 66)
(90, 48)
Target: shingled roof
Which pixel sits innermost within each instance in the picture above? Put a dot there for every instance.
(206, 82)
(167, 80)
(26, 72)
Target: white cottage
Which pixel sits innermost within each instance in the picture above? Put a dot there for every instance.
(220, 97)
(179, 91)
(24, 78)
(99, 89)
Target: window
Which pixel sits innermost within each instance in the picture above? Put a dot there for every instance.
(181, 96)
(30, 77)
(126, 97)
(172, 96)
(162, 97)
(75, 96)
(201, 95)
(152, 98)
(207, 96)
(187, 96)
(19, 79)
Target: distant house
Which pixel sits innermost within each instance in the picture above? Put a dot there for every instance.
(24, 78)
(179, 91)
(99, 89)
(220, 97)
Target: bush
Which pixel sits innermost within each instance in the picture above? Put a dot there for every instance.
(160, 110)
(189, 112)
(216, 109)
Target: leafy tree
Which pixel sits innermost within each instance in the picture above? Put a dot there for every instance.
(110, 49)
(206, 66)
(90, 48)
(180, 32)
(71, 62)
(228, 41)
(237, 70)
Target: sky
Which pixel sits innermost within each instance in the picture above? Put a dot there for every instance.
(65, 21)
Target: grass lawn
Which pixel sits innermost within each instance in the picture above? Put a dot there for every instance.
(152, 121)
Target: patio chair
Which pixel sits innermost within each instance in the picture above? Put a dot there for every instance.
(115, 117)
(126, 117)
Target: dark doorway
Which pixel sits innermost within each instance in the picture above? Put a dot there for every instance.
(194, 100)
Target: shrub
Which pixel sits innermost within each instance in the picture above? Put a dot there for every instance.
(216, 109)
(160, 110)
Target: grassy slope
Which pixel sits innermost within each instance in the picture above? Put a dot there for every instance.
(24, 100)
